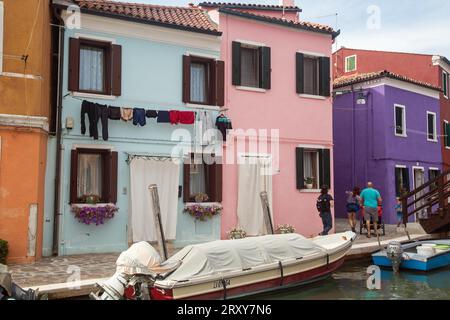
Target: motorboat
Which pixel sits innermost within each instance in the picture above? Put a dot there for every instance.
(420, 256)
(227, 269)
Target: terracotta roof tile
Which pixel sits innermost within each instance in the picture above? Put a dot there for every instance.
(248, 6)
(361, 77)
(189, 18)
(310, 26)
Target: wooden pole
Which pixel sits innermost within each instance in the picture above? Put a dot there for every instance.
(159, 227)
(266, 211)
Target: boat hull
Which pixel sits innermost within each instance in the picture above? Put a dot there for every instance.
(250, 283)
(432, 263)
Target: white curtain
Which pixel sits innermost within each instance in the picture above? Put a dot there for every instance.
(165, 174)
(89, 181)
(254, 176)
(91, 68)
(197, 179)
(250, 66)
(198, 82)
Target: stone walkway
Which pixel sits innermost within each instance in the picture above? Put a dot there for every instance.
(96, 266)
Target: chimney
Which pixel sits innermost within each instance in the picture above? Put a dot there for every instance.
(287, 3)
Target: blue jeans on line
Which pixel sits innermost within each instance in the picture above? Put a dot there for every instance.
(327, 221)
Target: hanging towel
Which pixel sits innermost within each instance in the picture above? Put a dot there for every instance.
(114, 113)
(186, 117)
(163, 117)
(139, 117)
(151, 114)
(174, 116)
(126, 114)
(206, 130)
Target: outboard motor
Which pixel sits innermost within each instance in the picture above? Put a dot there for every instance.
(11, 291)
(394, 252)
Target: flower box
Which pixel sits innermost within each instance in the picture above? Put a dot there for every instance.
(203, 211)
(94, 213)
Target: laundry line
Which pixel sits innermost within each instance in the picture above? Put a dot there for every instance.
(151, 156)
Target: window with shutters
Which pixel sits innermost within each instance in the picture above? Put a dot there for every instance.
(95, 67)
(432, 175)
(251, 65)
(350, 63)
(431, 127)
(201, 178)
(203, 81)
(401, 181)
(445, 85)
(400, 120)
(447, 134)
(93, 174)
(313, 168)
(313, 75)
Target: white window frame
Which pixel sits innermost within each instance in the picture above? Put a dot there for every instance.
(404, 134)
(446, 88)
(346, 63)
(435, 139)
(1, 35)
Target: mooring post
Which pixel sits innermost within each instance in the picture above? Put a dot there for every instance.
(159, 227)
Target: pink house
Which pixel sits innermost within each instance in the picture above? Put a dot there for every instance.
(277, 81)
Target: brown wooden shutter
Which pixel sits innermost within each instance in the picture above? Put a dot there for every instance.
(215, 180)
(186, 79)
(236, 61)
(266, 69)
(116, 73)
(300, 77)
(114, 175)
(220, 83)
(324, 168)
(73, 176)
(186, 182)
(299, 152)
(74, 64)
(324, 74)
(106, 183)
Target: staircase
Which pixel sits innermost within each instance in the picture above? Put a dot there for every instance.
(430, 205)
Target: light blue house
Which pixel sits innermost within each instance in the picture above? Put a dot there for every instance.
(132, 56)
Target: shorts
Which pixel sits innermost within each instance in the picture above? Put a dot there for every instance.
(352, 208)
(399, 216)
(370, 213)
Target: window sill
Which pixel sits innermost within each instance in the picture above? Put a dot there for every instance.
(252, 89)
(310, 191)
(93, 96)
(401, 135)
(310, 96)
(435, 141)
(84, 205)
(201, 106)
(202, 203)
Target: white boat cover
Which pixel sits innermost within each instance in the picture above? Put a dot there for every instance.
(236, 255)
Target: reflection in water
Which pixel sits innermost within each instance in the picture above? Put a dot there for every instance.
(349, 283)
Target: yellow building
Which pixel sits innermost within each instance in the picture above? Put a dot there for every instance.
(25, 78)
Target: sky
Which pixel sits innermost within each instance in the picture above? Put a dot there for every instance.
(419, 26)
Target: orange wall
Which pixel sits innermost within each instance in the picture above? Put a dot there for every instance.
(26, 32)
(23, 151)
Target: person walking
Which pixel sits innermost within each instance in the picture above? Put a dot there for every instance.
(353, 206)
(324, 205)
(371, 200)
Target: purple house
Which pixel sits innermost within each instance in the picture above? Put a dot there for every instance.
(386, 131)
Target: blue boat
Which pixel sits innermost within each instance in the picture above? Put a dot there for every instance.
(420, 256)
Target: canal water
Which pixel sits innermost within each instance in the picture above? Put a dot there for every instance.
(350, 283)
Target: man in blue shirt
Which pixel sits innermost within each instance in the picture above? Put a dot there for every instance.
(371, 199)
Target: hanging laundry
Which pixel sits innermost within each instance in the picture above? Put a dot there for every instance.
(174, 116)
(163, 117)
(87, 108)
(186, 117)
(102, 115)
(151, 114)
(126, 114)
(223, 124)
(139, 117)
(114, 113)
(203, 124)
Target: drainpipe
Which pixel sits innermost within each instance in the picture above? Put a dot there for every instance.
(353, 139)
(57, 195)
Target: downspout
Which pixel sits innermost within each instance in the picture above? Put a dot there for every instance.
(57, 194)
(353, 139)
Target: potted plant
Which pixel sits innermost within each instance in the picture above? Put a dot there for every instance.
(285, 229)
(236, 233)
(97, 215)
(203, 212)
(309, 181)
